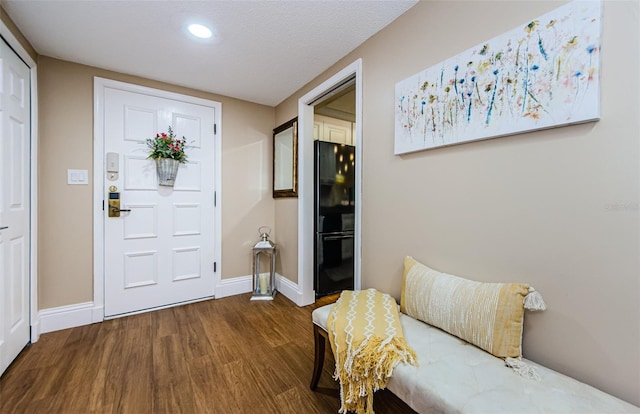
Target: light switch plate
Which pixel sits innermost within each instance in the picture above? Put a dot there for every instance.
(78, 177)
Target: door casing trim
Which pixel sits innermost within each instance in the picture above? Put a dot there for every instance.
(99, 85)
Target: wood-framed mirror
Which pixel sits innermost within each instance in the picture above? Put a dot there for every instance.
(285, 160)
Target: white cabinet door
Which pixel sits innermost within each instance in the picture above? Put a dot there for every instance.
(317, 131)
(334, 130)
(353, 134)
(162, 251)
(15, 132)
(336, 133)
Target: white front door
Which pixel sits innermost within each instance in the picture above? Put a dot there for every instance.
(161, 252)
(15, 132)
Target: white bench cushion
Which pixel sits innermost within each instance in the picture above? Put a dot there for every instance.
(454, 376)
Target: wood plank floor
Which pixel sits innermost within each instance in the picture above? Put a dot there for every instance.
(227, 355)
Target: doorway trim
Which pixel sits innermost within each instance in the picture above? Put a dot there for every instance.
(305, 180)
(99, 86)
(15, 44)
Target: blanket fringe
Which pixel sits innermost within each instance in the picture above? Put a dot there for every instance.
(533, 301)
(371, 368)
(522, 368)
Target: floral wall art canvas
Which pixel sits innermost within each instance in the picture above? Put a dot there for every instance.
(542, 74)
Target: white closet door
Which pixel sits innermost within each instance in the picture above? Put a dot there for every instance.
(15, 132)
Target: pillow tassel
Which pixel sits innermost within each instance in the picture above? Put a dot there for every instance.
(522, 368)
(533, 301)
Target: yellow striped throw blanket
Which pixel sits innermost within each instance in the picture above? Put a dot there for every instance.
(367, 343)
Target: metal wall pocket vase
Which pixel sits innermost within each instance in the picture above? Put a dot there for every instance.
(167, 169)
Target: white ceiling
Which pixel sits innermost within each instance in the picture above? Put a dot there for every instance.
(264, 50)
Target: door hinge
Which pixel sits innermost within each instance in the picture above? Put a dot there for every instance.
(215, 129)
(215, 198)
(215, 266)
(102, 205)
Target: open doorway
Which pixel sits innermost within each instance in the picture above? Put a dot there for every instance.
(319, 97)
(334, 190)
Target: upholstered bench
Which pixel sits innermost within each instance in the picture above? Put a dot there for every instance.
(454, 376)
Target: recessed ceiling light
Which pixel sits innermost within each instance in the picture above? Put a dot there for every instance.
(200, 31)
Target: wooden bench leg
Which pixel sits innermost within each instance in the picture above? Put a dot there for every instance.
(320, 340)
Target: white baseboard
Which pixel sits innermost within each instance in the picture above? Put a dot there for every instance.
(289, 289)
(35, 331)
(244, 284)
(234, 286)
(71, 316)
(98, 314)
(64, 317)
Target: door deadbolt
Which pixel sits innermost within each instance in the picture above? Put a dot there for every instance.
(114, 202)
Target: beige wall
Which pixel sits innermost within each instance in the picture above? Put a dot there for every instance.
(286, 209)
(65, 239)
(558, 208)
(286, 228)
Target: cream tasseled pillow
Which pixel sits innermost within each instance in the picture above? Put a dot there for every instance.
(488, 315)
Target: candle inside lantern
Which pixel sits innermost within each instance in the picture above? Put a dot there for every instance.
(263, 283)
(263, 273)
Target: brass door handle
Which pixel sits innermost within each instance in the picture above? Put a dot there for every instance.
(120, 210)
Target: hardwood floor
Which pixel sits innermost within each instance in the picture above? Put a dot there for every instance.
(227, 355)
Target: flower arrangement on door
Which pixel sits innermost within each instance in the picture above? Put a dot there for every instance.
(169, 152)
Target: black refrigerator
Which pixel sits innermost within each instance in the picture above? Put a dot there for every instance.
(334, 192)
